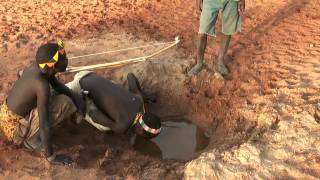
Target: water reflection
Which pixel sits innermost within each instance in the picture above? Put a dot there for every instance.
(178, 140)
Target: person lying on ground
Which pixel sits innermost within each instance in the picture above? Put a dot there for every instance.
(231, 11)
(110, 106)
(30, 111)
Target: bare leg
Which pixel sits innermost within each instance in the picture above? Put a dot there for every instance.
(134, 86)
(61, 107)
(201, 48)
(99, 117)
(225, 41)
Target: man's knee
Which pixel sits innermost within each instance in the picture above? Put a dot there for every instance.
(132, 80)
(64, 103)
(133, 83)
(131, 76)
(61, 107)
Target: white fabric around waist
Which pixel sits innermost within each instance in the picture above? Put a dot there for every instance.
(92, 106)
(75, 84)
(75, 87)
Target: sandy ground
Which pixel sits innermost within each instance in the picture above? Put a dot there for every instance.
(268, 109)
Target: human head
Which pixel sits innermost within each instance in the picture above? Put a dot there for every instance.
(51, 58)
(148, 126)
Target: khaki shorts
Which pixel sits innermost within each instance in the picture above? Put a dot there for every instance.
(231, 20)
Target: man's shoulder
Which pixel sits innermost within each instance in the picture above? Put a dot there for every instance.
(35, 79)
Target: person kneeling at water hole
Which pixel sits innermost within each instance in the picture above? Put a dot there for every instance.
(31, 110)
(110, 106)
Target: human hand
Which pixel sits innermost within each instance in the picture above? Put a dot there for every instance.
(199, 5)
(132, 139)
(81, 104)
(60, 159)
(241, 7)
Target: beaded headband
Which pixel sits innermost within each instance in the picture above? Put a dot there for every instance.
(55, 58)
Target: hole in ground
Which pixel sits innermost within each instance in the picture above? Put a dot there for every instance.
(179, 140)
(164, 76)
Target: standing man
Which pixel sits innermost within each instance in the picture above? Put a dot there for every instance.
(231, 11)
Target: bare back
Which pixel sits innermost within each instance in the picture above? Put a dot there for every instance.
(116, 102)
(23, 96)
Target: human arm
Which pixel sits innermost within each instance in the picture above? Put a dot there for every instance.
(43, 100)
(76, 98)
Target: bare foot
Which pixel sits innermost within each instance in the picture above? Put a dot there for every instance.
(197, 68)
(36, 145)
(221, 68)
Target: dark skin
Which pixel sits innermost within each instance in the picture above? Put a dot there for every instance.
(32, 90)
(202, 45)
(117, 106)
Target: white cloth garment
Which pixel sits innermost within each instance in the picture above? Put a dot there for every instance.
(75, 87)
(75, 84)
